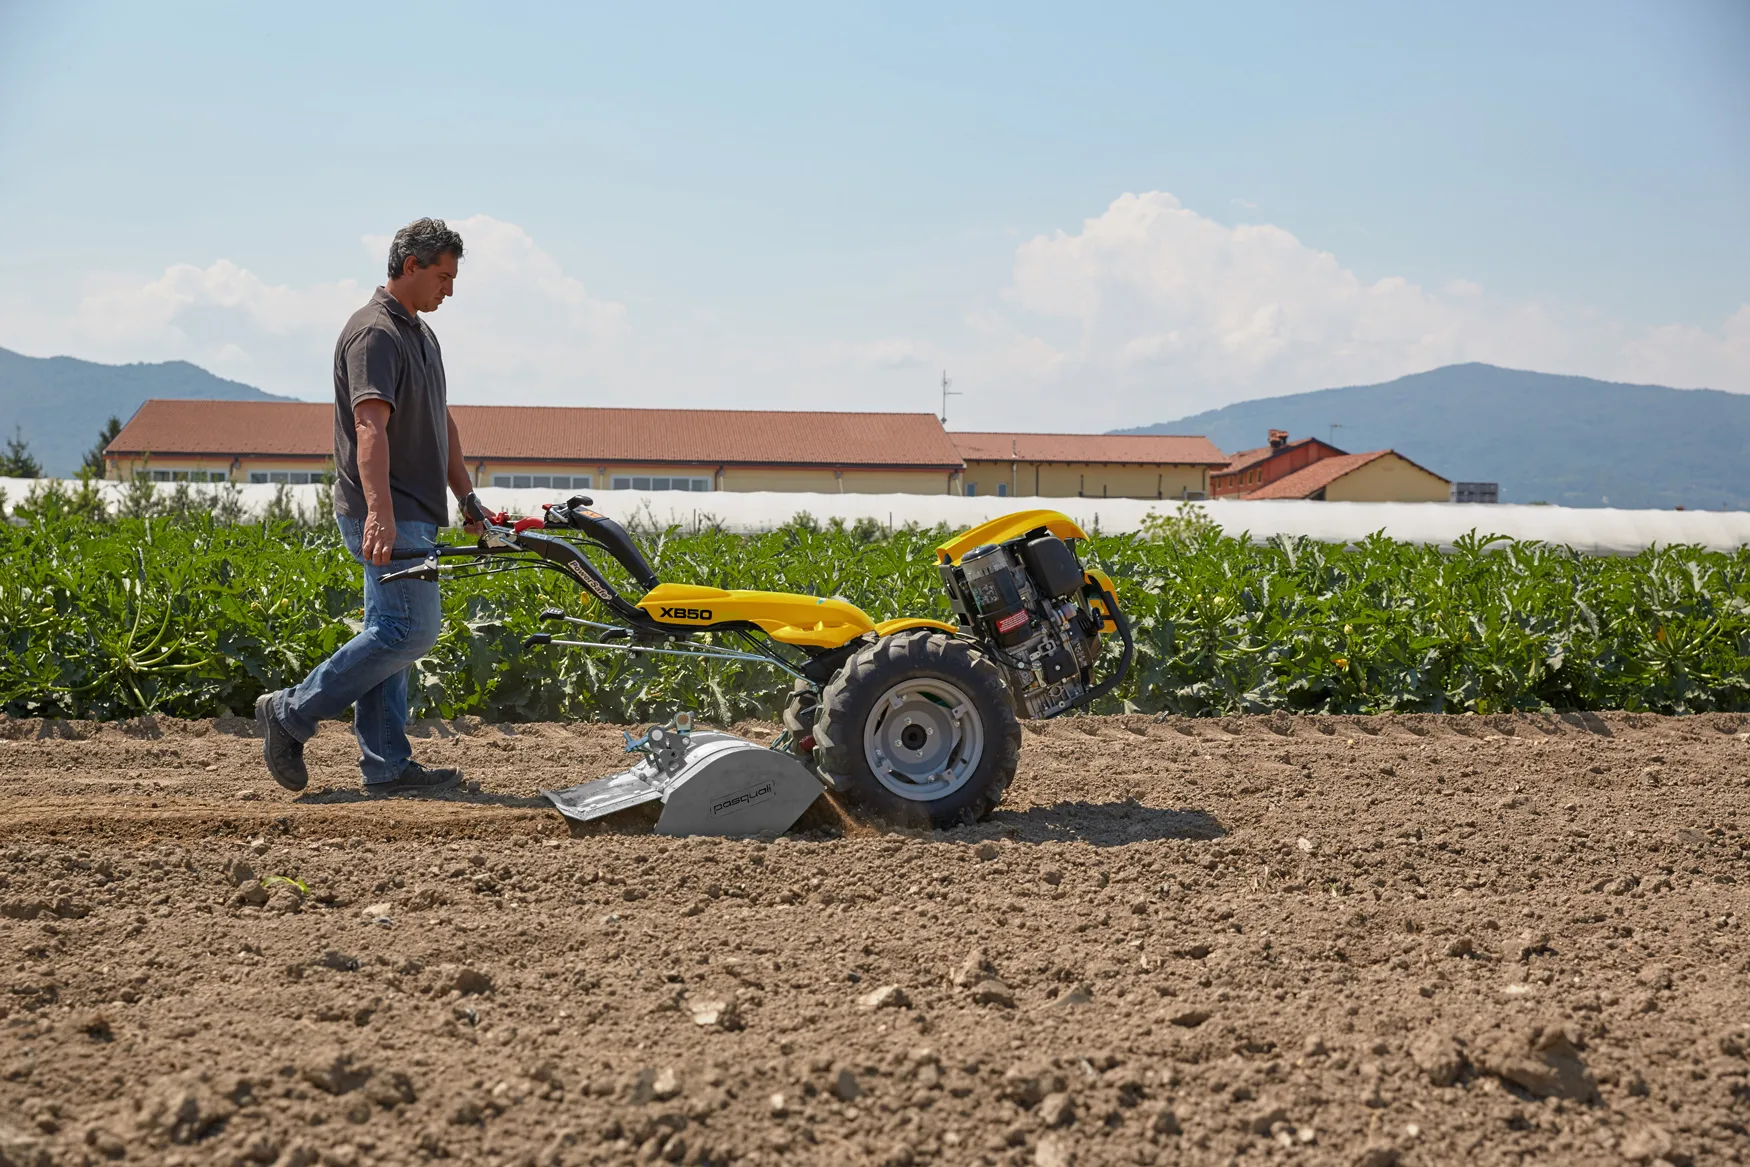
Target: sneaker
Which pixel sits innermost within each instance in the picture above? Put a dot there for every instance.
(416, 780)
(283, 752)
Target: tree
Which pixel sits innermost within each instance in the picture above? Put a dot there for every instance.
(94, 456)
(17, 462)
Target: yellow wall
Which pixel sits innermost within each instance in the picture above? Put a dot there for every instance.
(735, 478)
(821, 481)
(826, 481)
(1388, 479)
(123, 469)
(482, 470)
(1086, 479)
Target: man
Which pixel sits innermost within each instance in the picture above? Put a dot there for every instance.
(396, 448)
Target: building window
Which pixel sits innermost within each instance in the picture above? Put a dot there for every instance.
(160, 476)
(1002, 490)
(542, 481)
(639, 482)
(972, 490)
(278, 476)
(258, 476)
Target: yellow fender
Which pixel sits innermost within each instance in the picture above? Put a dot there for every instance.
(1008, 527)
(1102, 597)
(889, 627)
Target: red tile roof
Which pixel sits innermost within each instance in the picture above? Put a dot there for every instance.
(1246, 459)
(1308, 480)
(563, 433)
(1133, 449)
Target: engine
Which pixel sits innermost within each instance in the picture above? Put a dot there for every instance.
(1024, 600)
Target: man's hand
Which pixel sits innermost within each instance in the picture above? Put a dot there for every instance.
(473, 513)
(379, 538)
(371, 420)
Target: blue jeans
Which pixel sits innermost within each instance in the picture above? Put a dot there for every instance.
(369, 672)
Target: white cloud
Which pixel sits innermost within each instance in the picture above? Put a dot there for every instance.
(1146, 312)
(892, 353)
(1161, 311)
(518, 328)
(1681, 354)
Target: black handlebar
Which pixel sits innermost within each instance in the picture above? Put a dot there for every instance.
(552, 552)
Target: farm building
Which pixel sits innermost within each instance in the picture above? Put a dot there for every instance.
(588, 448)
(1087, 465)
(1313, 469)
(562, 448)
(1377, 476)
(1249, 470)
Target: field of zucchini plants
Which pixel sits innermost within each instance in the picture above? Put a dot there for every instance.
(188, 616)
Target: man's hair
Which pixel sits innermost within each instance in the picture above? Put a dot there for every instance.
(425, 240)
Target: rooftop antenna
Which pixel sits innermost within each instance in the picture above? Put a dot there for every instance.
(1331, 436)
(947, 393)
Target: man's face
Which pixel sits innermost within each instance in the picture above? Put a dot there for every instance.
(427, 287)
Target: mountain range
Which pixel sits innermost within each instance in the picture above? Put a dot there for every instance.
(1570, 441)
(60, 404)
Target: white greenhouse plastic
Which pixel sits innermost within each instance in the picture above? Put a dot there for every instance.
(1597, 531)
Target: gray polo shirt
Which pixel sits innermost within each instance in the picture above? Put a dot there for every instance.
(386, 353)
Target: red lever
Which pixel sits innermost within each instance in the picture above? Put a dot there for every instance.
(529, 524)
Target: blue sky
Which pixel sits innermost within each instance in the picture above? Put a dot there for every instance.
(1092, 216)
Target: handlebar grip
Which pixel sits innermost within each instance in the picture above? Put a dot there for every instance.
(472, 510)
(425, 572)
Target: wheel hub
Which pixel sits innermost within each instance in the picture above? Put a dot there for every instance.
(923, 739)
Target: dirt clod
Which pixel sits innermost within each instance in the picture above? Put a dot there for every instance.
(1544, 1060)
(885, 997)
(716, 1013)
(1437, 1055)
(991, 991)
(1028, 1086)
(1647, 1144)
(1054, 1151)
(460, 978)
(975, 968)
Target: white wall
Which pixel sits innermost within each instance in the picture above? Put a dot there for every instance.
(1593, 530)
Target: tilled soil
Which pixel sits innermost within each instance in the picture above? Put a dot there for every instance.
(1366, 941)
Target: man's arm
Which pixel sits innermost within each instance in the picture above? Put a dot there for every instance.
(370, 419)
(461, 482)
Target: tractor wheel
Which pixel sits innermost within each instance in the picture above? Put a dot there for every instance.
(917, 730)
